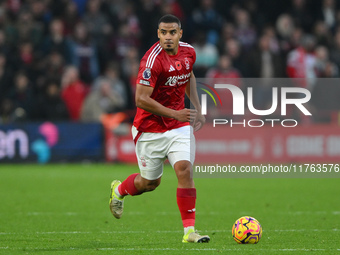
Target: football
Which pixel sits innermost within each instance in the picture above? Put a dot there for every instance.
(247, 230)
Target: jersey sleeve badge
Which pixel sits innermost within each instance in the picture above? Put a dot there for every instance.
(147, 74)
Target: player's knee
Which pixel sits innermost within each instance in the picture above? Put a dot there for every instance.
(184, 172)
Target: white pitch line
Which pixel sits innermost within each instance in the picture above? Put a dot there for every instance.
(63, 232)
(170, 249)
(52, 213)
(164, 231)
(174, 213)
(303, 230)
(314, 212)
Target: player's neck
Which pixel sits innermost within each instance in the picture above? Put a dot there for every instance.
(172, 52)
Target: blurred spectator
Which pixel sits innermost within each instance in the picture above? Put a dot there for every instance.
(297, 37)
(285, 29)
(228, 33)
(51, 106)
(52, 68)
(26, 54)
(22, 97)
(84, 54)
(128, 16)
(207, 19)
(274, 44)
(117, 86)
(325, 95)
(41, 37)
(322, 34)
(229, 74)
(6, 77)
(6, 112)
(129, 59)
(4, 47)
(301, 63)
(232, 48)
(56, 41)
(40, 13)
(57, 7)
(172, 7)
(25, 29)
(301, 15)
(104, 100)
(322, 59)
(70, 17)
(263, 62)
(74, 92)
(335, 50)
(96, 22)
(224, 69)
(332, 71)
(206, 54)
(13, 7)
(244, 30)
(256, 14)
(132, 80)
(26, 59)
(148, 14)
(121, 43)
(81, 6)
(328, 13)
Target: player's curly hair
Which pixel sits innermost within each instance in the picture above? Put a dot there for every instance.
(169, 18)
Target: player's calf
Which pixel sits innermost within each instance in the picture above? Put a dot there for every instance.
(145, 185)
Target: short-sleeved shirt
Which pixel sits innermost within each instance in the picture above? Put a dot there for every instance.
(168, 75)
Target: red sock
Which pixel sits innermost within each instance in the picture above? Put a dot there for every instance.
(186, 201)
(128, 186)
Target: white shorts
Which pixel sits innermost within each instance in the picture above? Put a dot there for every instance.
(153, 148)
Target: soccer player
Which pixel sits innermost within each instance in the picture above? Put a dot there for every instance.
(161, 128)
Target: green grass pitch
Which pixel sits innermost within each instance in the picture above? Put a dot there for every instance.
(63, 209)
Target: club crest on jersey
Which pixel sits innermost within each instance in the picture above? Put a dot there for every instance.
(147, 74)
(143, 161)
(178, 65)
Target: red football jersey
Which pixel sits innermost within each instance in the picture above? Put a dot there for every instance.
(168, 75)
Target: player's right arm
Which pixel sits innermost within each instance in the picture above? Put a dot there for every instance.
(145, 102)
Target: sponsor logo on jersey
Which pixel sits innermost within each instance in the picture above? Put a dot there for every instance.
(178, 65)
(144, 82)
(147, 74)
(178, 79)
(171, 68)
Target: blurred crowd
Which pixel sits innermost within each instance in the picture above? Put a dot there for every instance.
(78, 59)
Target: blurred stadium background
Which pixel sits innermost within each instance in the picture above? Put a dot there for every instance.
(67, 79)
(68, 72)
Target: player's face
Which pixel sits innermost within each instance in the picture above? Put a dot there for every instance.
(169, 35)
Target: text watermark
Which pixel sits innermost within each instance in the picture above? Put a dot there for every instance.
(329, 170)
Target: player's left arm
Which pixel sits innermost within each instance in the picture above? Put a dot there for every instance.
(191, 92)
